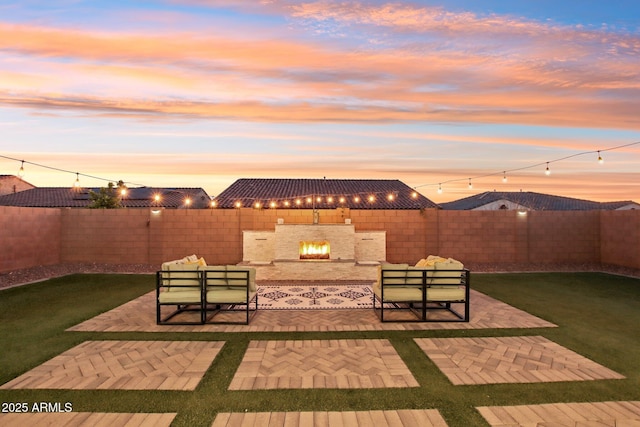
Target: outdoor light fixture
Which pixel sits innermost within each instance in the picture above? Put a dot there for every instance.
(414, 195)
(372, 199)
(238, 204)
(356, 199)
(504, 176)
(214, 203)
(342, 200)
(470, 185)
(600, 159)
(439, 188)
(547, 171)
(21, 171)
(187, 201)
(77, 183)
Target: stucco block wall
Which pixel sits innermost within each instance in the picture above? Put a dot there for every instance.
(113, 236)
(564, 237)
(481, 236)
(28, 237)
(34, 236)
(620, 238)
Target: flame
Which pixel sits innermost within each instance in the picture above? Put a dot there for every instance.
(314, 249)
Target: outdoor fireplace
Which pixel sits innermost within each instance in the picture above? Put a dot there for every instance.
(314, 249)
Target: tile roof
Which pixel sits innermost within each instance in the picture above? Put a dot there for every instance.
(280, 190)
(140, 197)
(531, 201)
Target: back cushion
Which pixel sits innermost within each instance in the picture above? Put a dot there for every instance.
(414, 275)
(394, 274)
(216, 275)
(184, 274)
(440, 277)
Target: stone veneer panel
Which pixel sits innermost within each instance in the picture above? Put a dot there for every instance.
(341, 237)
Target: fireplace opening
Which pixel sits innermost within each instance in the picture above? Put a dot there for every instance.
(314, 249)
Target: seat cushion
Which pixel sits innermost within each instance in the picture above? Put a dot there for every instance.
(228, 296)
(400, 294)
(446, 293)
(181, 297)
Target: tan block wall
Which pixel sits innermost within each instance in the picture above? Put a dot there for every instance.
(564, 237)
(33, 236)
(29, 237)
(620, 237)
(112, 236)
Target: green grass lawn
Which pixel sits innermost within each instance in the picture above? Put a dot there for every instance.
(598, 316)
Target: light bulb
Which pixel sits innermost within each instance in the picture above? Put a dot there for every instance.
(547, 171)
(504, 176)
(600, 159)
(470, 185)
(21, 171)
(77, 183)
(439, 188)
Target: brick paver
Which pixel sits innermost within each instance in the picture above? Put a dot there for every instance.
(139, 316)
(361, 363)
(399, 418)
(613, 414)
(529, 359)
(77, 419)
(123, 365)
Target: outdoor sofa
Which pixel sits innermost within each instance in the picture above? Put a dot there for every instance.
(435, 283)
(191, 286)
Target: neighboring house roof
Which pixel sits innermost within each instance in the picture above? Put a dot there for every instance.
(283, 193)
(140, 197)
(10, 184)
(495, 200)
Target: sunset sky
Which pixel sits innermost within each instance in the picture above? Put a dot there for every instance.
(199, 93)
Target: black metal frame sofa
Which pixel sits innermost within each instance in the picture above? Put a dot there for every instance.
(185, 286)
(433, 284)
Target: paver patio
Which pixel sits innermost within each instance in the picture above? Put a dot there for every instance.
(123, 365)
(528, 359)
(361, 363)
(138, 315)
(612, 414)
(405, 417)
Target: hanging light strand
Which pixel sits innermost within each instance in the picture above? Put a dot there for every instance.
(78, 174)
(504, 172)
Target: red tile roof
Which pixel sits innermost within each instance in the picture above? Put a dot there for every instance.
(141, 197)
(356, 193)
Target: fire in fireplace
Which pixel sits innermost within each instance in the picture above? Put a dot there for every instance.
(314, 250)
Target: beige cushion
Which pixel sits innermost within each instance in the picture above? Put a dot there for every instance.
(446, 293)
(181, 297)
(228, 296)
(184, 277)
(399, 293)
(216, 275)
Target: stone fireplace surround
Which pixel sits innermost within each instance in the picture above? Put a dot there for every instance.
(275, 254)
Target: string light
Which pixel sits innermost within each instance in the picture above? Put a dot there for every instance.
(329, 198)
(504, 172)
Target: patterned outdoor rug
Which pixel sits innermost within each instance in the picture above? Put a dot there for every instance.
(315, 297)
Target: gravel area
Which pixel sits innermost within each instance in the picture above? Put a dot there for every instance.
(39, 273)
